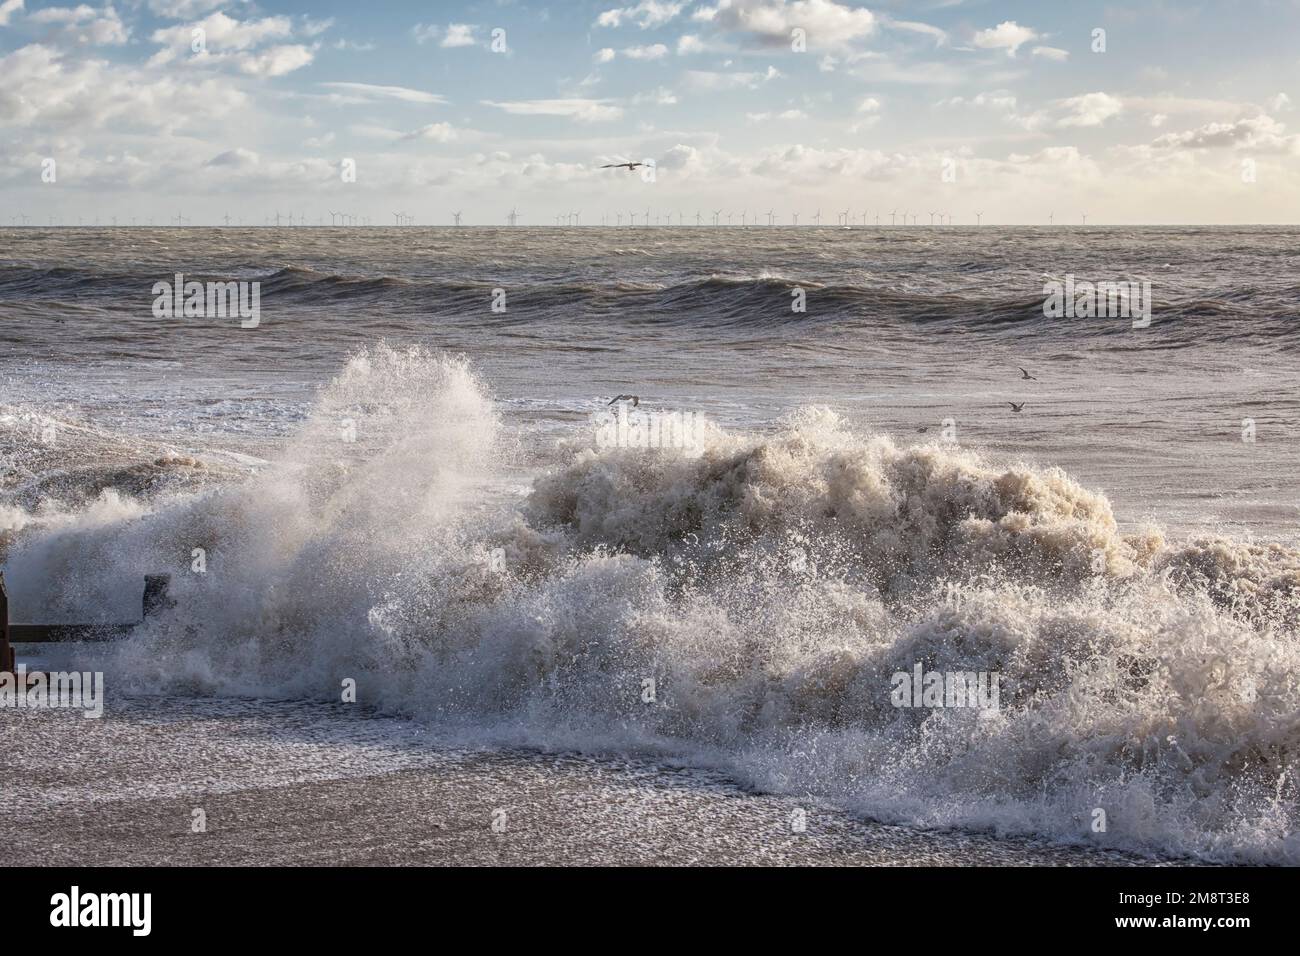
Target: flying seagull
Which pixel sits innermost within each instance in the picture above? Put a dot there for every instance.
(1015, 407)
(627, 398)
(1026, 375)
(630, 167)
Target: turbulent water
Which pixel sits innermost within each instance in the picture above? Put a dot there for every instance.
(392, 482)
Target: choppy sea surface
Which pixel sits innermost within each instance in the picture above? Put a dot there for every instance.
(391, 480)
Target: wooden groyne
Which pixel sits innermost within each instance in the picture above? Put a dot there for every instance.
(155, 600)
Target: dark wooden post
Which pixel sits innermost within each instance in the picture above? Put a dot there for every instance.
(6, 652)
(155, 594)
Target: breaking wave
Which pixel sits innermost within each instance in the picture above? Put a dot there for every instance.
(743, 604)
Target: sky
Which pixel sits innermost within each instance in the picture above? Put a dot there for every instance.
(1153, 111)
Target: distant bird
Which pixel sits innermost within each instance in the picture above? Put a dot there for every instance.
(1015, 407)
(1026, 376)
(634, 400)
(630, 167)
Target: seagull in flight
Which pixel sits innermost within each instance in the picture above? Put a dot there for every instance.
(627, 398)
(1015, 407)
(630, 167)
(1026, 375)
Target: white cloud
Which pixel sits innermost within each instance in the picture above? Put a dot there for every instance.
(646, 14)
(785, 115)
(1258, 133)
(82, 25)
(452, 36)
(1090, 109)
(1278, 103)
(274, 61)
(714, 81)
(222, 33)
(1055, 54)
(582, 110)
(7, 9)
(1184, 106)
(39, 87)
(228, 42)
(183, 9)
(238, 158)
(939, 36)
(998, 100)
(688, 43)
(1008, 35)
(369, 92)
(459, 34)
(661, 96)
(869, 105)
(436, 132)
(655, 51)
(604, 56)
(828, 24)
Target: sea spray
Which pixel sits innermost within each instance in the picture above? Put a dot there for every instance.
(768, 586)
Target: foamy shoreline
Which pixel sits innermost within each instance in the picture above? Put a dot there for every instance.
(287, 783)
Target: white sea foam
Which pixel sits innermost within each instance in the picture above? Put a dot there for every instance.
(769, 586)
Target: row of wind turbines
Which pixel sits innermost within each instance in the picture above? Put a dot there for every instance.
(847, 218)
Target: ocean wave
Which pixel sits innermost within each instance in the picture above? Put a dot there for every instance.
(743, 603)
(1004, 306)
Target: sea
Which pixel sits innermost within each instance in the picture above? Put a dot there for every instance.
(699, 496)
